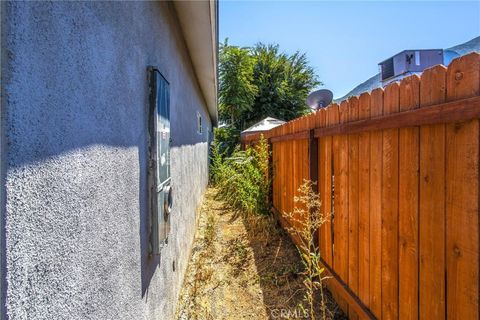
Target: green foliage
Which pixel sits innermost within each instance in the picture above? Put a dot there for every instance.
(216, 163)
(242, 178)
(227, 138)
(262, 81)
(284, 82)
(237, 91)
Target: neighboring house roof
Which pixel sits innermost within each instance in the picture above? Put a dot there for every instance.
(467, 47)
(264, 125)
(376, 81)
(199, 23)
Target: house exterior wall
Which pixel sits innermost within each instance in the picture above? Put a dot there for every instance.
(74, 149)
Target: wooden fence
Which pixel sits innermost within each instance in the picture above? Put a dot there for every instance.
(398, 168)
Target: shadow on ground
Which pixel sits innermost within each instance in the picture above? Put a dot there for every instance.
(279, 268)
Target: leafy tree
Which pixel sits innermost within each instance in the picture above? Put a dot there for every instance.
(237, 91)
(284, 82)
(262, 81)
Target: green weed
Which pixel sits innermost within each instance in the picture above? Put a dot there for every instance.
(242, 178)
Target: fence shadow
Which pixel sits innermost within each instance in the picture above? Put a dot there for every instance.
(279, 269)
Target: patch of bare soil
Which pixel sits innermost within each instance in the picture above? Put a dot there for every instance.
(242, 268)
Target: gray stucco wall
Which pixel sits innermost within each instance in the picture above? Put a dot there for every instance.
(74, 206)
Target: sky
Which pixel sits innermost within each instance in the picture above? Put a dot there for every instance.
(345, 41)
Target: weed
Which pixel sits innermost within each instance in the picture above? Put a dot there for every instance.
(237, 255)
(241, 250)
(209, 233)
(305, 221)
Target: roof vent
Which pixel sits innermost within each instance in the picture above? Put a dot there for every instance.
(387, 69)
(410, 61)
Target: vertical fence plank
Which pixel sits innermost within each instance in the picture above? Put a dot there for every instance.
(279, 171)
(376, 160)
(408, 203)
(290, 162)
(330, 117)
(275, 176)
(390, 209)
(283, 171)
(273, 168)
(463, 80)
(364, 204)
(353, 203)
(295, 164)
(325, 187)
(340, 154)
(432, 201)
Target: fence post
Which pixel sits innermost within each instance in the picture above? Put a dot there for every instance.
(313, 170)
(313, 159)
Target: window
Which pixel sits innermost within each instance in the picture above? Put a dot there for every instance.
(159, 179)
(199, 123)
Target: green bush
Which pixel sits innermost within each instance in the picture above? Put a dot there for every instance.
(242, 178)
(227, 138)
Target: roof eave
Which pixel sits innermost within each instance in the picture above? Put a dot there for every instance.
(198, 20)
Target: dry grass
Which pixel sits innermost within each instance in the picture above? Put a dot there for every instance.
(241, 268)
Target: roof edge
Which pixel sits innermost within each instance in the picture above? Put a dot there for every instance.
(199, 24)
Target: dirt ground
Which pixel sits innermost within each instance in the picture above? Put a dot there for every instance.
(242, 268)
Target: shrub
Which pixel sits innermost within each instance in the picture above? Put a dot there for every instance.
(242, 178)
(227, 138)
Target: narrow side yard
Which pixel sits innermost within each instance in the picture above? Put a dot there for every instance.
(242, 268)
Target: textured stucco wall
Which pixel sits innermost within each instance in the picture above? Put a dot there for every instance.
(74, 213)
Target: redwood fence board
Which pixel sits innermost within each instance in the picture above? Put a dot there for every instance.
(376, 156)
(364, 204)
(390, 209)
(462, 145)
(353, 203)
(340, 218)
(432, 201)
(325, 189)
(408, 202)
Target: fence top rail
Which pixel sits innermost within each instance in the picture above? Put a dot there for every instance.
(455, 111)
(305, 134)
(449, 112)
